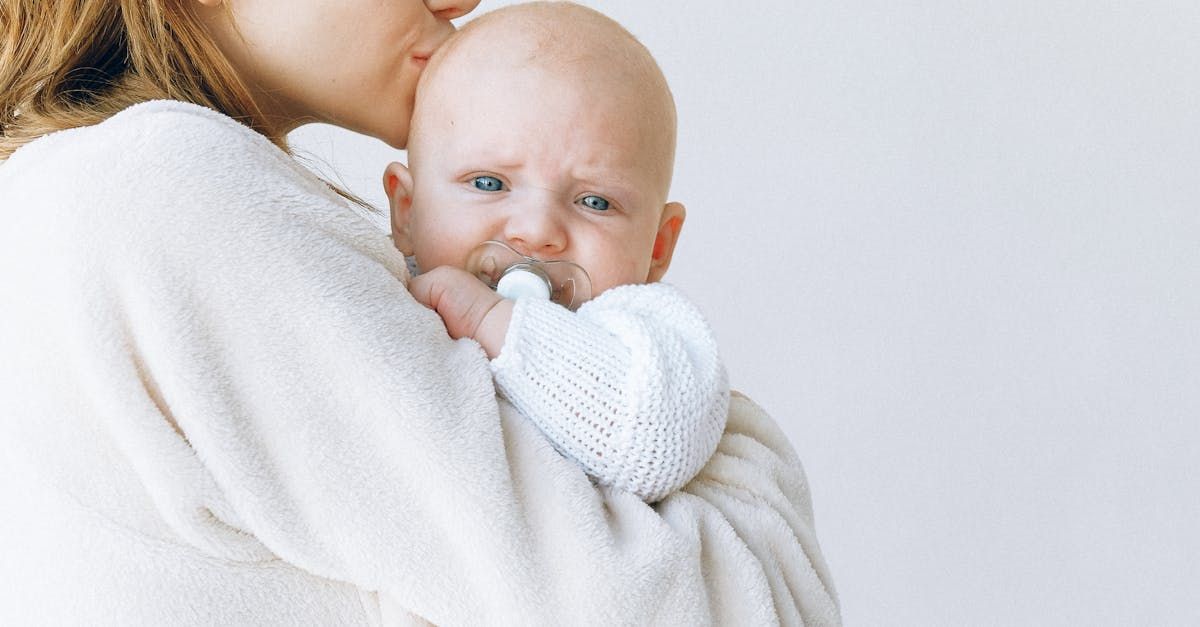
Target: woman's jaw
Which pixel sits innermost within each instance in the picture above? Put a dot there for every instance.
(348, 63)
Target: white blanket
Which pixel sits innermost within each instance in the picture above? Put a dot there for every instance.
(219, 405)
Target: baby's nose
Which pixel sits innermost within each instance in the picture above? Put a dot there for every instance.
(537, 232)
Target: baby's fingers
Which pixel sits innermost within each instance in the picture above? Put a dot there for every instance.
(421, 287)
(459, 298)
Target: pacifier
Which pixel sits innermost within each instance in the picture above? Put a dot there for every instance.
(514, 275)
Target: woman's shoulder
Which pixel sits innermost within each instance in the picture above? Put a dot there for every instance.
(163, 151)
(175, 111)
(162, 172)
(168, 114)
(165, 141)
(172, 130)
(168, 122)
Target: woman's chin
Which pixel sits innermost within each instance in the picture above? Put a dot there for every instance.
(394, 134)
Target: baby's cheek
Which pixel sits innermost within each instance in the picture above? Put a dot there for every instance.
(434, 252)
(625, 272)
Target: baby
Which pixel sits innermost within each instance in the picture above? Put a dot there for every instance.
(548, 127)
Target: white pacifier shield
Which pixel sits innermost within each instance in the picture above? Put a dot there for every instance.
(519, 283)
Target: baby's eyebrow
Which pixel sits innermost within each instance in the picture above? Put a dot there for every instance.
(497, 165)
(507, 165)
(492, 156)
(606, 179)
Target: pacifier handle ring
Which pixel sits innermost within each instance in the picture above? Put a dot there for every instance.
(562, 281)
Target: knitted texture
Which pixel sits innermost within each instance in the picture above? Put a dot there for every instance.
(631, 387)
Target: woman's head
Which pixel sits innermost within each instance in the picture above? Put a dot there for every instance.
(273, 64)
(353, 63)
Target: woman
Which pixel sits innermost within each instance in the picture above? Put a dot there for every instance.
(220, 404)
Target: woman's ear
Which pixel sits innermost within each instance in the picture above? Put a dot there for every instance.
(669, 226)
(398, 184)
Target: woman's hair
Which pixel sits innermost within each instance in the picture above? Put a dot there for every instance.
(69, 63)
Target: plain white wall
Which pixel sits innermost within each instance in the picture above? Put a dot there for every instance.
(954, 248)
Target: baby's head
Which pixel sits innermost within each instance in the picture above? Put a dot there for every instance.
(549, 127)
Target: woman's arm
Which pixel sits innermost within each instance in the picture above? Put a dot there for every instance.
(238, 317)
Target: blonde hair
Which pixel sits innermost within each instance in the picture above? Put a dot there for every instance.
(70, 63)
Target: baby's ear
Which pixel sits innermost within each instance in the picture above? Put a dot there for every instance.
(398, 185)
(669, 226)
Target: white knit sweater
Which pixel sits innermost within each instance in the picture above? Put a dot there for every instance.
(630, 386)
(219, 405)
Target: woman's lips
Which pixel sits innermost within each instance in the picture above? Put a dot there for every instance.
(420, 60)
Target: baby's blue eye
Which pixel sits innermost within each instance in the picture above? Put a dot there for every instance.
(487, 183)
(595, 202)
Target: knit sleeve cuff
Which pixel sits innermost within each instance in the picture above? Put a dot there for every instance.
(631, 386)
(569, 376)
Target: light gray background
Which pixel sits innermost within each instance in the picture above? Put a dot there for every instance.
(954, 248)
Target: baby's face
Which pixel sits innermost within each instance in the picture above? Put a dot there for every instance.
(556, 172)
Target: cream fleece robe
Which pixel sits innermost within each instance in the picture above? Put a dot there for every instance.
(219, 405)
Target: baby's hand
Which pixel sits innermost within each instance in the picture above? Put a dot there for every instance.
(467, 306)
